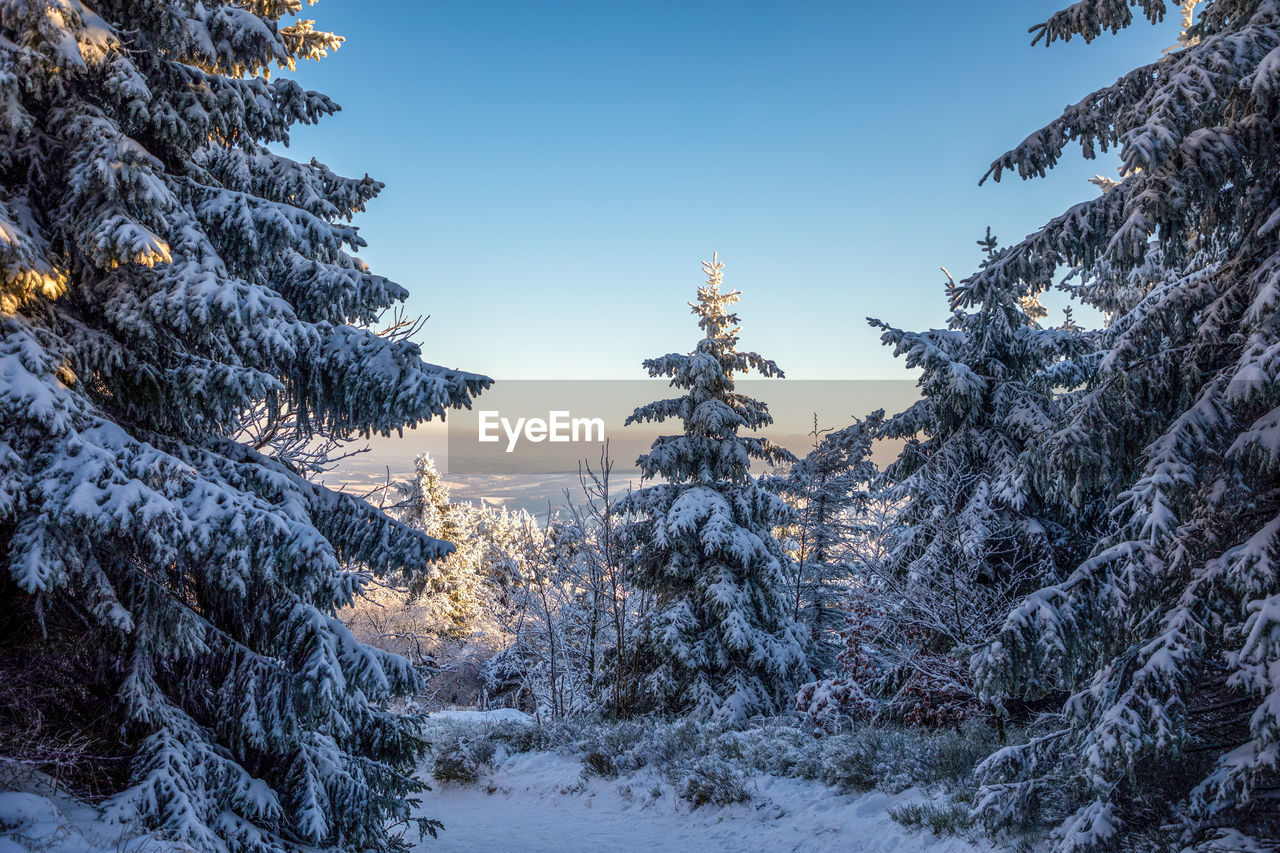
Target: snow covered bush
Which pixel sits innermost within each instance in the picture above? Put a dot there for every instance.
(712, 781)
(894, 759)
(841, 701)
(559, 626)
(456, 764)
(170, 288)
(834, 703)
(952, 816)
(599, 764)
(707, 763)
(560, 598)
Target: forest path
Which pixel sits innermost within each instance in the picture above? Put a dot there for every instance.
(540, 804)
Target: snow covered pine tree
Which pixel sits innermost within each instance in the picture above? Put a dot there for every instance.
(976, 528)
(719, 642)
(1168, 636)
(839, 515)
(168, 592)
(830, 491)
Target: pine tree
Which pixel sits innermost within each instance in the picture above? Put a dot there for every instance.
(457, 586)
(426, 501)
(977, 526)
(829, 489)
(1167, 637)
(168, 591)
(431, 618)
(719, 642)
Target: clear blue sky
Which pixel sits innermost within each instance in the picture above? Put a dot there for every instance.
(556, 171)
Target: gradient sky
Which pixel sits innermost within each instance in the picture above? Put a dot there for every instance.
(556, 171)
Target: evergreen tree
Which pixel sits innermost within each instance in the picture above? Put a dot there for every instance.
(1167, 637)
(829, 490)
(433, 618)
(456, 588)
(425, 504)
(719, 642)
(168, 591)
(977, 526)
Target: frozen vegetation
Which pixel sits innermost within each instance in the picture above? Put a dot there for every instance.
(619, 787)
(1052, 622)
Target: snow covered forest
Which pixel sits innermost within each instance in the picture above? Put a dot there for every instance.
(1051, 623)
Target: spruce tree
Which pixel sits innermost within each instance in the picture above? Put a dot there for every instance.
(1167, 637)
(977, 525)
(169, 592)
(427, 617)
(719, 642)
(425, 501)
(455, 589)
(830, 489)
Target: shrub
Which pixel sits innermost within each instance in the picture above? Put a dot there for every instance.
(854, 762)
(948, 817)
(712, 781)
(599, 764)
(456, 764)
(518, 737)
(706, 764)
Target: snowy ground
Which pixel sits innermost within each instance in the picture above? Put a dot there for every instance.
(539, 803)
